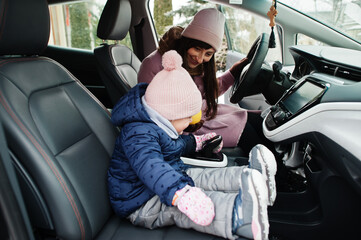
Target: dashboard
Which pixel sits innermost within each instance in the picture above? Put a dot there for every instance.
(322, 110)
(323, 76)
(337, 62)
(301, 96)
(322, 107)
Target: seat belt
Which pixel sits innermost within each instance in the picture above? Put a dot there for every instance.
(139, 39)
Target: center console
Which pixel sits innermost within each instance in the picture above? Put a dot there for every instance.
(300, 97)
(219, 160)
(206, 157)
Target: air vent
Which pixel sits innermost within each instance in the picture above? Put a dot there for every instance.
(348, 74)
(329, 69)
(342, 72)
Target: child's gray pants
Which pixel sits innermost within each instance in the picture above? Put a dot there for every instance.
(220, 184)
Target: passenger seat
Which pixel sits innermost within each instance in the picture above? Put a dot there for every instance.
(118, 65)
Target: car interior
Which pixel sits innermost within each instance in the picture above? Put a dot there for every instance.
(57, 138)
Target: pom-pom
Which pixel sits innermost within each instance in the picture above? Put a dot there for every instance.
(171, 60)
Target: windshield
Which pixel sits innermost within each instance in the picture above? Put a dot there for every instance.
(341, 15)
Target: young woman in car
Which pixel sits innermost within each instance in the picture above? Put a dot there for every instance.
(197, 44)
(151, 186)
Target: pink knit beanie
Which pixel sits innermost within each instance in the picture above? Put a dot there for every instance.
(207, 26)
(172, 92)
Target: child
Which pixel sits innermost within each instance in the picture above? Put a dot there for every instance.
(150, 185)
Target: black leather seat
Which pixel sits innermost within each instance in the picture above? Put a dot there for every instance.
(118, 65)
(60, 137)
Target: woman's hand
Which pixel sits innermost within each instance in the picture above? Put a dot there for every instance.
(237, 68)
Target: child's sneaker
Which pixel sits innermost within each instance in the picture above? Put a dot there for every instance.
(250, 217)
(262, 159)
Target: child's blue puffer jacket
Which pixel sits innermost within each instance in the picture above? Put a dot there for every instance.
(146, 161)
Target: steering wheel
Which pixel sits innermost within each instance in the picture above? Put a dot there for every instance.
(245, 83)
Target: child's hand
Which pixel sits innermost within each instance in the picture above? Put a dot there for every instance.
(194, 203)
(202, 139)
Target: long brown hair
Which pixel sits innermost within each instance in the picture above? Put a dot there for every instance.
(173, 40)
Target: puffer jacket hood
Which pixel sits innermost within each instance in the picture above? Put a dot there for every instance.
(129, 108)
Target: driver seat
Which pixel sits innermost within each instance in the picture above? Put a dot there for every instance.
(60, 137)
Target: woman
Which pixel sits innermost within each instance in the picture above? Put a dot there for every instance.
(197, 44)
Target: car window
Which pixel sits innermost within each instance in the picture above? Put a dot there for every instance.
(243, 27)
(74, 25)
(343, 16)
(303, 39)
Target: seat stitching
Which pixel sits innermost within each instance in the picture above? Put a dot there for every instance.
(48, 161)
(3, 62)
(82, 86)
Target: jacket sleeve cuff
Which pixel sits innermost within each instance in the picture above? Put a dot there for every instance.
(190, 143)
(225, 82)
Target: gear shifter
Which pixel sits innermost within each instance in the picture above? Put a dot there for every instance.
(277, 66)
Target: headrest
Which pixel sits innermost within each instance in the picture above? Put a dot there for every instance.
(115, 20)
(24, 27)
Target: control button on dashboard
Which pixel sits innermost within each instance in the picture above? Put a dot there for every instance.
(270, 123)
(279, 116)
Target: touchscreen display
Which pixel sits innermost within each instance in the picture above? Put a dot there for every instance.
(301, 97)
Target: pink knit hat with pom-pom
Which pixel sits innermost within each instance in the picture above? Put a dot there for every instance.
(172, 92)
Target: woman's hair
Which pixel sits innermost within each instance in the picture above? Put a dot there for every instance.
(170, 39)
(173, 40)
(194, 127)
